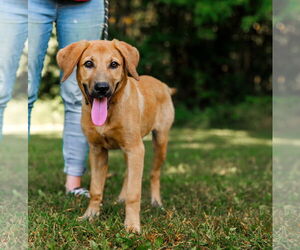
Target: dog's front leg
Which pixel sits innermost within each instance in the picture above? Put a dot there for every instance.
(135, 165)
(122, 195)
(98, 162)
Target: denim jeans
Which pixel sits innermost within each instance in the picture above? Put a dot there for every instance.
(74, 22)
(13, 34)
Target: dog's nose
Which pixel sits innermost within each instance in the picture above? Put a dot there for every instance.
(101, 87)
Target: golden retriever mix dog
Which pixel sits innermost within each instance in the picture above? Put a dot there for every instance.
(119, 108)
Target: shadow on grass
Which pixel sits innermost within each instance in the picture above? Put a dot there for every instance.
(212, 185)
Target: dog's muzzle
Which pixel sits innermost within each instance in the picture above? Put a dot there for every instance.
(100, 90)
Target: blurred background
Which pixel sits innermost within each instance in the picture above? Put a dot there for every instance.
(217, 53)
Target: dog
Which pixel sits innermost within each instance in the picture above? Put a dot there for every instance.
(119, 108)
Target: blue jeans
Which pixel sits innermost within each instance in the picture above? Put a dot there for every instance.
(74, 22)
(13, 34)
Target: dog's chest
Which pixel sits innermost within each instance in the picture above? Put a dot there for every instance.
(106, 138)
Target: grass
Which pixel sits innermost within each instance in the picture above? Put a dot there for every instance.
(13, 192)
(216, 190)
(286, 196)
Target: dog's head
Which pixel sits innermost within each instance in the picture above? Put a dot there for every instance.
(101, 66)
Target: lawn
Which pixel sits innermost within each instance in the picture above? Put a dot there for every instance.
(13, 191)
(216, 190)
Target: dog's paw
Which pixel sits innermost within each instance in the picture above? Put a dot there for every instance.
(120, 200)
(156, 203)
(90, 214)
(133, 228)
(121, 197)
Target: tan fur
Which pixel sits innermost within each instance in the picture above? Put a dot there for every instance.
(139, 105)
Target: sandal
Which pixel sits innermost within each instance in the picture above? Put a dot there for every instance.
(79, 191)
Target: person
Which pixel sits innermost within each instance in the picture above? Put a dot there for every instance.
(75, 21)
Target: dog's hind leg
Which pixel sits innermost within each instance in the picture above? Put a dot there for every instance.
(98, 162)
(160, 142)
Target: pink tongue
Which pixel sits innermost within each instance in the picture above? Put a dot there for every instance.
(99, 111)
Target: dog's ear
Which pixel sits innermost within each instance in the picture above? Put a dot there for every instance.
(68, 57)
(131, 56)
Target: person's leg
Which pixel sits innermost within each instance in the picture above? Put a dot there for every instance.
(41, 15)
(75, 22)
(13, 30)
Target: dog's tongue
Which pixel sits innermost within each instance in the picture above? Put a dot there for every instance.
(99, 111)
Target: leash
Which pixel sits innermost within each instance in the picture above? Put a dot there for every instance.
(105, 27)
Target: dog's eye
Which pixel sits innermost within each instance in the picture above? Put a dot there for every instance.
(114, 65)
(88, 64)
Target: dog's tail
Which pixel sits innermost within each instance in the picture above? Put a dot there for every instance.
(172, 91)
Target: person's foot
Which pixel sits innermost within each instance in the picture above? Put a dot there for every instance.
(72, 182)
(79, 191)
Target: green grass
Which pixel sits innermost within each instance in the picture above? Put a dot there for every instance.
(216, 190)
